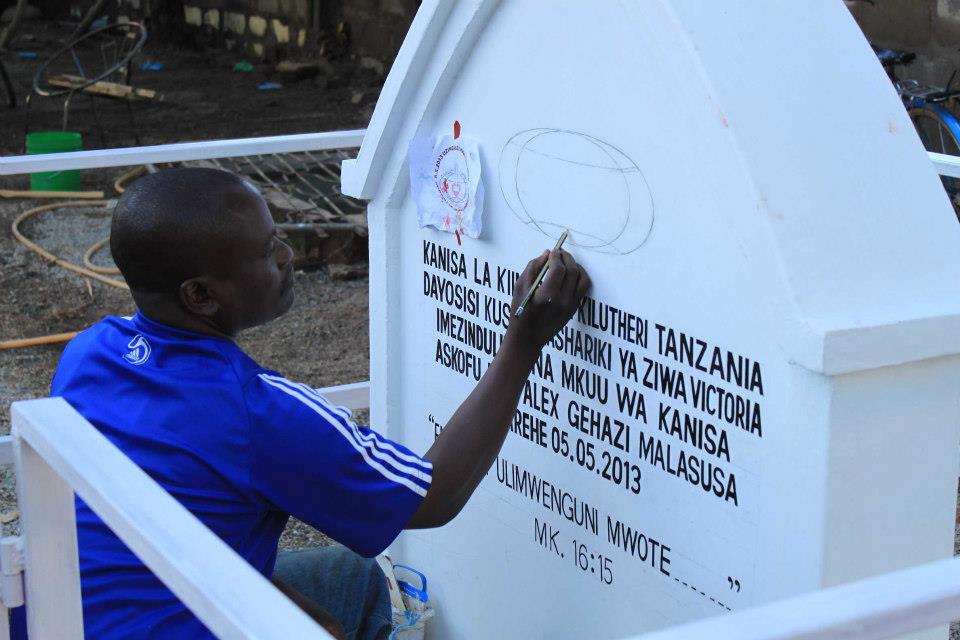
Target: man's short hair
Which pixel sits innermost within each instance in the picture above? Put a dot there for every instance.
(165, 225)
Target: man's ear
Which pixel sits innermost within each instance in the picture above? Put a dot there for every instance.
(196, 297)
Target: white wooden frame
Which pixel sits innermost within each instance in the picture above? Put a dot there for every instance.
(352, 396)
(207, 150)
(946, 165)
(885, 606)
(11, 558)
(57, 452)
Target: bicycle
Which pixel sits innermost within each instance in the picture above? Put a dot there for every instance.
(932, 111)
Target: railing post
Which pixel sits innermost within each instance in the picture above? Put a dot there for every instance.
(225, 592)
(48, 524)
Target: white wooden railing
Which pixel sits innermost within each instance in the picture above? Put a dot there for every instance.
(57, 453)
(11, 558)
(946, 165)
(886, 606)
(181, 152)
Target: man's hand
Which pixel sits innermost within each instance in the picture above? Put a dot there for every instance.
(554, 302)
(472, 438)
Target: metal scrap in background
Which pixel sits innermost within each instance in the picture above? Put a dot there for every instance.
(302, 190)
(299, 187)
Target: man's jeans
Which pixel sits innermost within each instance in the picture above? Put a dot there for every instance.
(350, 587)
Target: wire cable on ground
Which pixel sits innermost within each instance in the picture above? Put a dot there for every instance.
(68, 195)
(55, 338)
(65, 264)
(90, 271)
(120, 184)
(92, 251)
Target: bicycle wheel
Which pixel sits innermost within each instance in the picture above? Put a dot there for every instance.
(939, 131)
(93, 57)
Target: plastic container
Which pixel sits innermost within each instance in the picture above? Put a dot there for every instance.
(54, 142)
(410, 624)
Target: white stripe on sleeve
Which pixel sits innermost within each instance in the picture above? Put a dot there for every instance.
(382, 462)
(372, 439)
(372, 436)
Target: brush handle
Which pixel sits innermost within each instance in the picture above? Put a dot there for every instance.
(533, 288)
(539, 278)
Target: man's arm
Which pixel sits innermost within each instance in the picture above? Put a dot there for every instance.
(471, 439)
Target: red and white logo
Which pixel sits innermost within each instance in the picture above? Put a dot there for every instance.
(452, 177)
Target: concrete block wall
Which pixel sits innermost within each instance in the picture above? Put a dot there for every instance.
(263, 29)
(930, 28)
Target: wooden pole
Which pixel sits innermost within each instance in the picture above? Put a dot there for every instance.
(33, 342)
(72, 195)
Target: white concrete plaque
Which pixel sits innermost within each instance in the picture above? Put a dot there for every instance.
(761, 395)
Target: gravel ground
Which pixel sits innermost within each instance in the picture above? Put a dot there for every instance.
(321, 341)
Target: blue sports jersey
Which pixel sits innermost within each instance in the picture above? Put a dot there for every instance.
(241, 447)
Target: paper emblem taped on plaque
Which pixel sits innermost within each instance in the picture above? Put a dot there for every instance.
(445, 184)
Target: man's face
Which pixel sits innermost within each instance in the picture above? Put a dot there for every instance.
(252, 268)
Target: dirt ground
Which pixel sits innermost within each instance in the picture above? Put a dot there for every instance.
(203, 97)
(321, 341)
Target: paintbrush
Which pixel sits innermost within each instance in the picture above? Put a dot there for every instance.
(539, 279)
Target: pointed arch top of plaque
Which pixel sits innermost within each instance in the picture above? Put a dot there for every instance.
(861, 232)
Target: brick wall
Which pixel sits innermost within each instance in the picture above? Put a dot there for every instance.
(931, 28)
